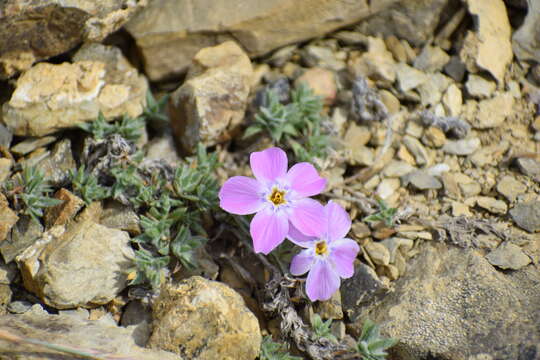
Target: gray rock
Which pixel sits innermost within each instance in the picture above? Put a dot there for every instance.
(414, 21)
(431, 59)
(363, 288)
(455, 68)
(461, 147)
(525, 41)
(529, 167)
(397, 168)
(138, 316)
(189, 313)
(527, 215)
(323, 57)
(421, 180)
(57, 166)
(5, 136)
(453, 303)
(508, 256)
(101, 339)
(116, 215)
(408, 77)
(25, 232)
(85, 265)
(479, 87)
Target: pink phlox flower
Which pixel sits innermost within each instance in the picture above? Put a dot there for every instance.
(277, 196)
(328, 255)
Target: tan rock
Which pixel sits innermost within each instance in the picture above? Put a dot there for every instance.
(390, 101)
(489, 48)
(204, 319)
(425, 309)
(62, 213)
(434, 137)
(331, 308)
(378, 253)
(377, 63)
(98, 336)
(8, 218)
(34, 31)
(492, 112)
(83, 266)
(213, 99)
(50, 97)
(5, 168)
(170, 32)
(322, 82)
(357, 135)
(452, 100)
(492, 205)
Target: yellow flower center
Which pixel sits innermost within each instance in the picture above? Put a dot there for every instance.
(277, 197)
(321, 248)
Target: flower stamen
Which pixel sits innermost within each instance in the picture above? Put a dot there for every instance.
(277, 197)
(321, 248)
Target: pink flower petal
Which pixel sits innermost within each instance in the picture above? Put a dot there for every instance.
(299, 238)
(304, 180)
(241, 195)
(302, 262)
(307, 215)
(338, 221)
(269, 164)
(268, 229)
(322, 282)
(342, 255)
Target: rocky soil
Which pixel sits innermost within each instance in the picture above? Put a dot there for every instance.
(430, 110)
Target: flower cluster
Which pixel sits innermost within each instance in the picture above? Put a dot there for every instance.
(280, 199)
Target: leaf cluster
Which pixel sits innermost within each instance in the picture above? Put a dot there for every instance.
(129, 128)
(296, 124)
(322, 329)
(31, 191)
(172, 226)
(385, 214)
(155, 109)
(271, 350)
(371, 346)
(87, 187)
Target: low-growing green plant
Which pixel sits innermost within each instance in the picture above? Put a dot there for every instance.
(271, 350)
(155, 109)
(371, 346)
(86, 186)
(296, 125)
(322, 329)
(172, 227)
(385, 214)
(30, 192)
(129, 128)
